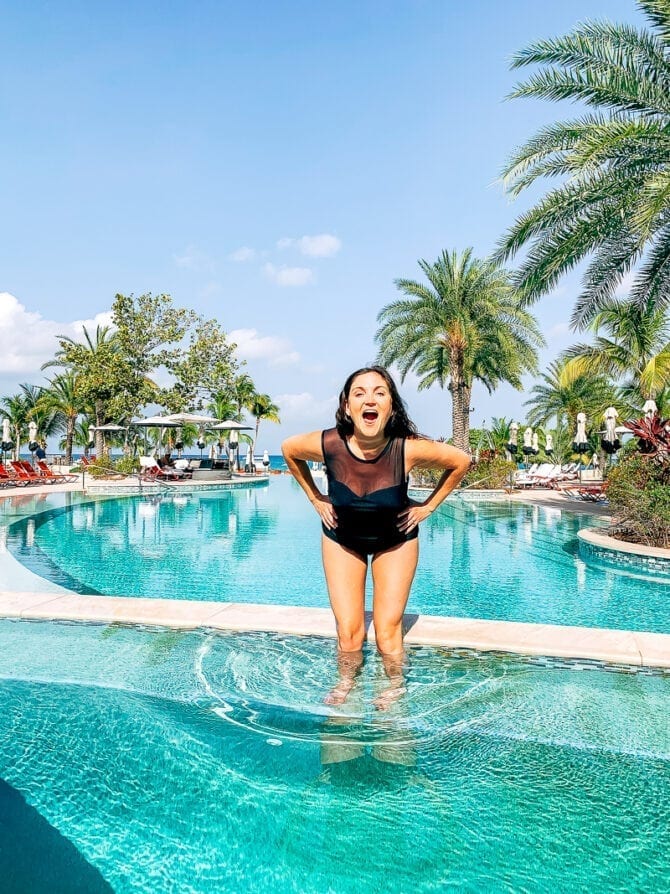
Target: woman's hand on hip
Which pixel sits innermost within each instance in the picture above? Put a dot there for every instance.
(411, 517)
(326, 511)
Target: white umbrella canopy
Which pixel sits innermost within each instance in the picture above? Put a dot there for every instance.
(110, 426)
(156, 422)
(32, 430)
(609, 441)
(190, 418)
(580, 443)
(6, 432)
(231, 425)
(650, 409)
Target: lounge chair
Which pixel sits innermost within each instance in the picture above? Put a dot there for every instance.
(24, 472)
(151, 471)
(43, 470)
(7, 479)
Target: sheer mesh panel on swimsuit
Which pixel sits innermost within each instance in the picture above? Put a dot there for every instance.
(363, 477)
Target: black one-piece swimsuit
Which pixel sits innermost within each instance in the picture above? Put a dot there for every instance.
(368, 495)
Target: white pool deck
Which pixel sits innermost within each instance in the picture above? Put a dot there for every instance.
(547, 640)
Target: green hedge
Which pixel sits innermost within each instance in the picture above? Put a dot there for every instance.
(638, 489)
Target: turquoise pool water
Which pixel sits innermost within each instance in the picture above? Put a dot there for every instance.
(486, 560)
(139, 760)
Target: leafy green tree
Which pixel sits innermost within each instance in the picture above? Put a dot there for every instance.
(634, 347)
(613, 204)
(465, 324)
(207, 366)
(261, 407)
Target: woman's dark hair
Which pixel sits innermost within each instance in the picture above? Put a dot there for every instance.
(399, 424)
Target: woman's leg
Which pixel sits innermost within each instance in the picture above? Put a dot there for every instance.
(345, 576)
(345, 573)
(392, 573)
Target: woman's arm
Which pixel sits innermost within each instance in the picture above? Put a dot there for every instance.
(298, 451)
(422, 453)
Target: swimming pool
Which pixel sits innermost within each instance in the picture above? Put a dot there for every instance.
(487, 560)
(145, 760)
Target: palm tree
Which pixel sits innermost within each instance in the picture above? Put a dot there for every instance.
(261, 407)
(94, 363)
(243, 393)
(635, 347)
(223, 406)
(466, 324)
(23, 408)
(62, 399)
(565, 391)
(614, 206)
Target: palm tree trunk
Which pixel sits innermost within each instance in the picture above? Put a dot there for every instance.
(460, 401)
(460, 415)
(99, 436)
(69, 439)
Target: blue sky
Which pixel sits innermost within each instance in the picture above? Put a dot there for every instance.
(275, 165)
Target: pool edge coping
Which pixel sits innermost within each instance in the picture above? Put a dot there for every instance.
(618, 647)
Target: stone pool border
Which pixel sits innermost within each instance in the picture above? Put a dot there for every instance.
(630, 556)
(610, 647)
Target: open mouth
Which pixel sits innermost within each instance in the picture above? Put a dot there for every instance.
(370, 415)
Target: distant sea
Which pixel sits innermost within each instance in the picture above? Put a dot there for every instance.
(276, 459)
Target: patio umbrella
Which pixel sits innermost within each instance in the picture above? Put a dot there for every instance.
(650, 409)
(110, 426)
(249, 464)
(536, 444)
(610, 442)
(190, 418)
(6, 437)
(528, 441)
(266, 460)
(513, 443)
(549, 445)
(580, 443)
(32, 436)
(156, 422)
(160, 422)
(231, 425)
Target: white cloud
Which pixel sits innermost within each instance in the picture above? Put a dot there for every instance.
(27, 340)
(322, 246)
(289, 276)
(275, 350)
(305, 409)
(243, 254)
(194, 259)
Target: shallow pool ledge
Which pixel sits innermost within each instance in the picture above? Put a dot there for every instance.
(610, 646)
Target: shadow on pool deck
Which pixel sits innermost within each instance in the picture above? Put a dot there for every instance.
(35, 858)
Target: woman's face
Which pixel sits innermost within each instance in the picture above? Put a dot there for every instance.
(369, 404)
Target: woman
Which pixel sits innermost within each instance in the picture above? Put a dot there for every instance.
(368, 457)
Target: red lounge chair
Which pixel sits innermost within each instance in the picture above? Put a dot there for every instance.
(9, 480)
(24, 472)
(43, 470)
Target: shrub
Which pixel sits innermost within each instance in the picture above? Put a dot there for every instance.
(490, 472)
(109, 468)
(638, 489)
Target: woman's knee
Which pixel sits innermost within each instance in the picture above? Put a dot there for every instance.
(388, 637)
(350, 637)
